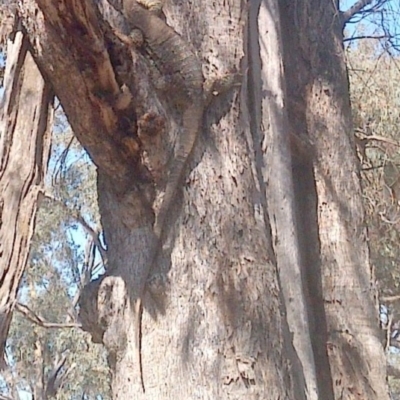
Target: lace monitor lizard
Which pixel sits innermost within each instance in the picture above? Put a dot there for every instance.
(173, 57)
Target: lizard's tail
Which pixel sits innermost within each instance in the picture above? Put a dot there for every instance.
(192, 118)
(138, 341)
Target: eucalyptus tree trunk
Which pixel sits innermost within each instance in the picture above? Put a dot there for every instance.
(25, 123)
(232, 305)
(339, 281)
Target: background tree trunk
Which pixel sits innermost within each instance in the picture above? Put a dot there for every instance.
(341, 288)
(277, 145)
(25, 135)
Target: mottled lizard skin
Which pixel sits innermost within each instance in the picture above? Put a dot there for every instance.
(174, 58)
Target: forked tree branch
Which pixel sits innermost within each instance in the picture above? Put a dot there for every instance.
(58, 376)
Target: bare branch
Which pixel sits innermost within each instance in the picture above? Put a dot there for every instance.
(61, 161)
(58, 376)
(88, 269)
(78, 217)
(390, 298)
(354, 9)
(388, 221)
(365, 37)
(377, 138)
(51, 386)
(36, 319)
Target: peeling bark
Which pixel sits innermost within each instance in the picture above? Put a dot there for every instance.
(184, 299)
(275, 147)
(216, 316)
(26, 118)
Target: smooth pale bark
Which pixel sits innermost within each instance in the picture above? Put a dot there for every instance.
(25, 123)
(274, 137)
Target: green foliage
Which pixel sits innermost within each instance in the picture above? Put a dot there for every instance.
(375, 92)
(375, 95)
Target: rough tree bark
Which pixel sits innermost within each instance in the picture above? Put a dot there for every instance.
(227, 283)
(342, 297)
(228, 297)
(25, 123)
(277, 145)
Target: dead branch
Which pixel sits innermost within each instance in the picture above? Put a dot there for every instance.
(354, 9)
(390, 298)
(36, 319)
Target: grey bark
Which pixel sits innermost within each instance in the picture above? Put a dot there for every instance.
(340, 286)
(25, 135)
(25, 123)
(215, 325)
(272, 138)
(227, 297)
